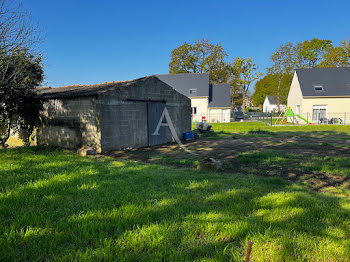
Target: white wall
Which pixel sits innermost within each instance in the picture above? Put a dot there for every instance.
(295, 97)
(334, 105)
(219, 115)
(268, 108)
(337, 107)
(202, 107)
(214, 114)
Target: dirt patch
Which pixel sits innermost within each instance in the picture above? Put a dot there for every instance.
(227, 148)
(293, 157)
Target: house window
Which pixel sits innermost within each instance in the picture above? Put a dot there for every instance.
(298, 110)
(194, 110)
(193, 91)
(319, 114)
(318, 88)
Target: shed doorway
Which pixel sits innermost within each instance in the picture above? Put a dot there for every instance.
(154, 113)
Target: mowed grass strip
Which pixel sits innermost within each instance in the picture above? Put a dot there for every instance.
(222, 129)
(58, 206)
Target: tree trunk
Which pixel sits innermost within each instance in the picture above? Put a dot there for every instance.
(278, 93)
(244, 100)
(7, 133)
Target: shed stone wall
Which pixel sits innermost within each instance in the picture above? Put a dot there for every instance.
(112, 118)
(70, 123)
(124, 113)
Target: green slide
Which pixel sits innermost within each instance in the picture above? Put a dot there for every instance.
(289, 112)
(303, 119)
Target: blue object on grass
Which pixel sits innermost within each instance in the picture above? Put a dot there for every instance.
(188, 136)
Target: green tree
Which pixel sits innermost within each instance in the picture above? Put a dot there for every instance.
(268, 86)
(337, 56)
(312, 52)
(297, 56)
(334, 58)
(200, 57)
(306, 54)
(20, 73)
(243, 73)
(284, 59)
(346, 46)
(283, 63)
(236, 97)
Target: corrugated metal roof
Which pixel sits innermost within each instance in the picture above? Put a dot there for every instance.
(324, 81)
(220, 95)
(190, 85)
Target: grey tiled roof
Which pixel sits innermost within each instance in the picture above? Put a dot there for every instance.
(335, 81)
(220, 95)
(183, 83)
(272, 99)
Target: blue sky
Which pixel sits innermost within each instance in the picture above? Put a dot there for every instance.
(90, 41)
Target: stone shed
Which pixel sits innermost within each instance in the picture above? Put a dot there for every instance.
(112, 115)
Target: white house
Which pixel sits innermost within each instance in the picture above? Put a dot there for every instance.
(321, 95)
(211, 103)
(271, 105)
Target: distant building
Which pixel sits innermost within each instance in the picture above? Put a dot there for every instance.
(219, 107)
(271, 105)
(211, 103)
(321, 94)
(248, 101)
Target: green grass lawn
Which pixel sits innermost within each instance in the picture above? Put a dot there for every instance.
(58, 206)
(240, 127)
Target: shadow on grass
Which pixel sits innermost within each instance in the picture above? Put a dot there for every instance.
(318, 159)
(57, 205)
